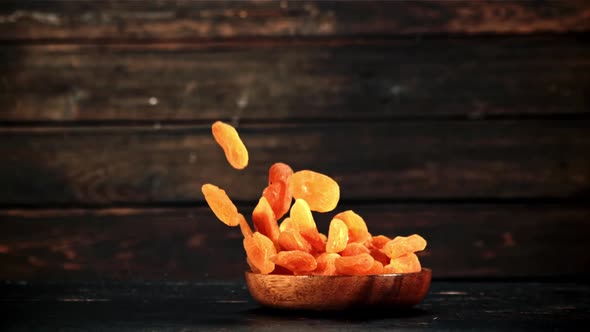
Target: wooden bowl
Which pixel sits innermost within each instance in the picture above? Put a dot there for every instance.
(339, 292)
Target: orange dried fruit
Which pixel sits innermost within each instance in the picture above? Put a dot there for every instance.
(279, 172)
(296, 261)
(252, 267)
(354, 248)
(357, 228)
(281, 270)
(320, 191)
(379, 256)
(315, 238)
(287, 224)
(265, 222)
(259, 250)
(227, 137)
(244, 227)
(278, 197)
(292, 240)
(221, 205)
(402, 245)
(301, 216)
(326, 265)
(377, 268)
(408, 263)
(337, 236)
(377, 242)
(354, 265)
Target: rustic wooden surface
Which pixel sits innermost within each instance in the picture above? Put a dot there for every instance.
(86, 20)
(227, 306)
(371, 161)
(464, 240)
(297, 80)
(466, 122)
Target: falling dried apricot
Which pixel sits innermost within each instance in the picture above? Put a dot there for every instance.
(337, 236)
(292, 240)
(279, 172)
(354, 265)
(221, 205)
(264, 221)
(260, 249)
(227, 137)
(301, 216)
(402, 245)
(278, 197)
(286, 224)
(357, 228)
(354, 248)
(408, 263)
(320, 191)
(326, 265)
(297, 261)
(244, 227)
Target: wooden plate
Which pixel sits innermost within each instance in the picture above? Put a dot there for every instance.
(339, 292)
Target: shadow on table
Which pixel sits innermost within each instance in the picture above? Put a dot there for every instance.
(355, 315)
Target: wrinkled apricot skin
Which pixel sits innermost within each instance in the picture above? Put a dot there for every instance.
(326, 265)
(227, 137)
(320, 191)
(278, 197)
(297, 261)
(286, 224)
(408, 263)
(357, 228)
(292, 240)
(377, 242)
(221, 205)
(401, 245)
(316, 239)
(337, 236)
(377, 268)
(279, 172)
(354, 265)
(354, 248)
(264, 221)
(259, 250)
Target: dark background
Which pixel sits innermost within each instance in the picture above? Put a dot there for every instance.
(465, 122)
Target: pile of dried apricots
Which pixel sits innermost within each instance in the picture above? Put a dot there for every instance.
(296, 246)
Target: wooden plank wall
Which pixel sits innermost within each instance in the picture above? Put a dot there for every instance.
(466, 122)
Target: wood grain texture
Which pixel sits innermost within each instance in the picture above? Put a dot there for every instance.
(221, 19)
(364, 79)
(406, 160)
(483, 240)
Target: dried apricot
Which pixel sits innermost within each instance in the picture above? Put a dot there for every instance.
(260, 249)
(377, 268)
(227, 137)
(301, 216)
(407, 263)
(292, 240)
(297, 261)
(278, 197)
(379, 256)
(326, 264)
(244, 227)
(315, 238)
(287, 224)
(337, 236)
(252, 267)
(279, 172)
(377, 242)
(264, 221)
(354, 265)
(402, 245)
(357, 228)
(320, 191)
(221, 205)
(353, 249)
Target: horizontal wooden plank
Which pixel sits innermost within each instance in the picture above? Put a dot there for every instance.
(382, 79)
(370, 160)
(188, 244)
(65, 19)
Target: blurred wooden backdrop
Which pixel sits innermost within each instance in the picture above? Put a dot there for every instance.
(466, 122)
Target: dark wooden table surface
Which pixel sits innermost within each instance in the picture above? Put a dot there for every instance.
(227, 306)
